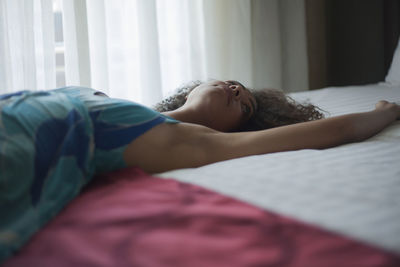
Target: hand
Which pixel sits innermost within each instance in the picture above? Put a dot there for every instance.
(385, 105)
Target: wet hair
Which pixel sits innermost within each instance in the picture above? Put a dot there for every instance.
(274, 108)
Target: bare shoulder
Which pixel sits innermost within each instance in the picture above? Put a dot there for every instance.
(168, 146)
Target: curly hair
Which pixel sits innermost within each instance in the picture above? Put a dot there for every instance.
(178, 98)
(274, 108)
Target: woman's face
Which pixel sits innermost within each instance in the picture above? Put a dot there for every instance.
(224, 106)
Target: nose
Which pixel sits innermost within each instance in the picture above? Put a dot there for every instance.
(236, 90)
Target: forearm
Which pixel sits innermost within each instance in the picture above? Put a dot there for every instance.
(365, 125)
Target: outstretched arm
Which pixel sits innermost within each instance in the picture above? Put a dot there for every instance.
(173, 146)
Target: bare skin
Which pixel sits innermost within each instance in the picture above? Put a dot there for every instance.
(184, 145)
(222, 106)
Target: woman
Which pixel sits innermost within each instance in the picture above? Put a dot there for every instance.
(53, 142)
(213, 104)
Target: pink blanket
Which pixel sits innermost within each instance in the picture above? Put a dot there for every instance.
(129, 218)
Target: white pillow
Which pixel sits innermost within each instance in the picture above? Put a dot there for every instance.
(393, 76)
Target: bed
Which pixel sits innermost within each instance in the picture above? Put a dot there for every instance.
(332, 207)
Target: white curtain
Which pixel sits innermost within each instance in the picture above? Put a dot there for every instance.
(143, 49)
(280, 45)
(26, 45)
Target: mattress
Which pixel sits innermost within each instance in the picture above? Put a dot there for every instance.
(353, 189)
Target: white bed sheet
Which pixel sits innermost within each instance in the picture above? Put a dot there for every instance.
(352, 189)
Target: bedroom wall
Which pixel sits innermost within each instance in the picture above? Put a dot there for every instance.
(350, 42)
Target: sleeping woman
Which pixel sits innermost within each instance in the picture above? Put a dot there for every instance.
(52, 143)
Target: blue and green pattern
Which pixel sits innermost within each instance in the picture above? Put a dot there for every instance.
(51, 144)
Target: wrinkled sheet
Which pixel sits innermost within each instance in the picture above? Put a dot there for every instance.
(129, 218)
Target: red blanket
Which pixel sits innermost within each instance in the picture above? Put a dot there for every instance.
(129, 218)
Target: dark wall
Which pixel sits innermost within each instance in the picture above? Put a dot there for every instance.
(360, 37)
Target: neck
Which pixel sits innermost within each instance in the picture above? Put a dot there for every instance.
(186, 115)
